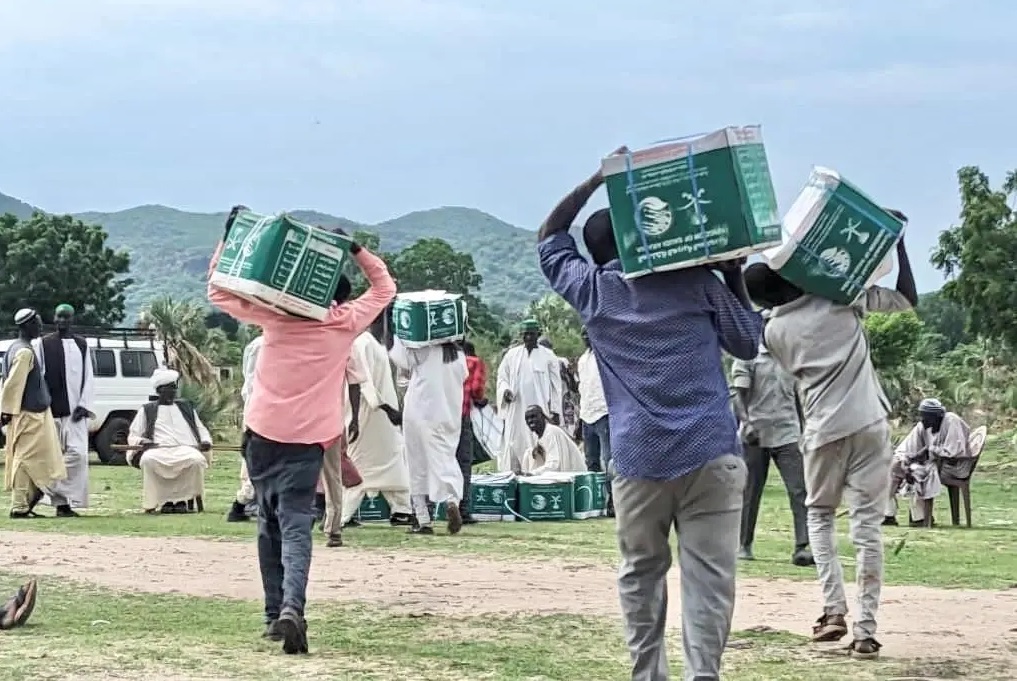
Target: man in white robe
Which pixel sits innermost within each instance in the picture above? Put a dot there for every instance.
(67, 369)
(432, 419)
(940, 438)
(174, 449)
(528, 375)
(554, 451)
(378, 451)
(245, 494)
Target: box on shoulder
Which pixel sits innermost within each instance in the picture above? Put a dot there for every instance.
(839, 241)
(426, 318)
(282, 264)
(687, 203)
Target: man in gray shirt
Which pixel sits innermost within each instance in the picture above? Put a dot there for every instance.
(846, 442)
(765, 402)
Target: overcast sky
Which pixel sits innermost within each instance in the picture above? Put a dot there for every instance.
(369, 109)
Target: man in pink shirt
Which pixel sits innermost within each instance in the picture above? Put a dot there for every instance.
(295, 412)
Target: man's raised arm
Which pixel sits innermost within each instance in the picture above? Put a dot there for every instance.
(361, 312)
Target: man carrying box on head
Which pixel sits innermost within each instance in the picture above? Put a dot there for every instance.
(846, 442)
(294, 413)
(674, 440)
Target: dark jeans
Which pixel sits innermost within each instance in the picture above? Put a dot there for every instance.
(789, 465)
(597, 445)
(284, 477)
(464, 455)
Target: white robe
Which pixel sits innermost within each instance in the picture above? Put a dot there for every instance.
(378, 451)
(951, 442)
(560, 454)
(432, 420)
(175, 470)
(533, 378)
(246, 494)
(73, 434)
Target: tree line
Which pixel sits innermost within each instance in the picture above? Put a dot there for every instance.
(960, 344)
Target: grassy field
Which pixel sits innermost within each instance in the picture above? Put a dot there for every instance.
(84, 632)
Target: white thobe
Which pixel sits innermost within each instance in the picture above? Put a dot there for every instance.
(73, 434)
(432, 420)
(174, 470)
(951, 442)
(534, 378)
(555, 452)
(245, 495)
(378, 451)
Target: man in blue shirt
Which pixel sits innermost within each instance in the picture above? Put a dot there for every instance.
(674, 439)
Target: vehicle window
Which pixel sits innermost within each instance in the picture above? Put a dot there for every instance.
(104, 364)
(138, 363)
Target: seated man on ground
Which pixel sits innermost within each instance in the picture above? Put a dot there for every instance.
(940, 438)
(555, 451)
(174, 449)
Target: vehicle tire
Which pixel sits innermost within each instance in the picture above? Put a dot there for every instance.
(113, 432)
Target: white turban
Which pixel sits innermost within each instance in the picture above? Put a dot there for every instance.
(931, 406)
(24, 315)
(163, 377)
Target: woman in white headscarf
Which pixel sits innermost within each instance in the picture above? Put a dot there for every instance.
(175, 448)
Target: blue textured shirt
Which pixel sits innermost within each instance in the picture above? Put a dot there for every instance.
(658, 342)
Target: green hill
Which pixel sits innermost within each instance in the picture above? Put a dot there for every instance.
(170, 248)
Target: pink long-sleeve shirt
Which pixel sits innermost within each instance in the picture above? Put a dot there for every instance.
(300, 379)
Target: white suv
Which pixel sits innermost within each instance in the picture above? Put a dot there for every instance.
(123, 361)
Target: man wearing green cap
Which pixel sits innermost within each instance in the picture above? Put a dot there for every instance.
(67, 370)
(529, 375)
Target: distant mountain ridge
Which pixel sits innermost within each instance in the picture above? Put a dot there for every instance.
(170, 248)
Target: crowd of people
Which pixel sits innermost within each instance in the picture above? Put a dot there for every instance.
(684, 448)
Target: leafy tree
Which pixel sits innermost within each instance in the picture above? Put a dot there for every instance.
(560, 322)
(220, 320)
(181, 327)
(48, 259)
(980, 255)
(893, 339)
(945, 321)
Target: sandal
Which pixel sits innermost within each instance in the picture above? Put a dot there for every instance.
(829, 628)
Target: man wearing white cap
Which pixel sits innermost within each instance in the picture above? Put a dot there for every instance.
(938, 436)
(34, 460)
(174, 448)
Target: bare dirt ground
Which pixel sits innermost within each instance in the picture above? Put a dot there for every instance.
(915, 622)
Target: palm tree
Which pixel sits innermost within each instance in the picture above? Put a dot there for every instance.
(181, 327)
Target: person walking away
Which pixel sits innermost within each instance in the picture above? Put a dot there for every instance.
(67, 369)
(766, 404)
(378, 452)
(473, 394)
(528, 374)
(33, 461)
(846, 440)
(555, 451)
(245, 494)
(432, 417)
(294, 413)
(331, 470)
(175, 448)
(939, 439)
(674, 441)
(593, 419)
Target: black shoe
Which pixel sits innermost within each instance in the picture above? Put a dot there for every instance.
(272, 632)
(400, 520)
(469, 520)
(352, 523)
(237, 514)
(180, 507)
(168, 507)
(292, 627)
(65, 511)
(803, 558)
(889, 521)
(421, 529)
(334, 541)
(21, 515)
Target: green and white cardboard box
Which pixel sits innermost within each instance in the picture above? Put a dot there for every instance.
(493, 496)
(546, 497)
(839, 241)
(282, 264)
(374, 508)
(426, 318)
(590, 490)
(701, 200)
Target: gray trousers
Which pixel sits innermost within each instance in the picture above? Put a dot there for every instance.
(705, 508)
(789, 464)
(284, 476)
(858, 467)
(464, 457)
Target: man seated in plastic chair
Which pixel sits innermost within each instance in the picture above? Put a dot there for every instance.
(939, 438)
(172, 447)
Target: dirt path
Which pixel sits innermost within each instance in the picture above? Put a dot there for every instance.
(915, 622)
